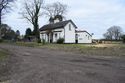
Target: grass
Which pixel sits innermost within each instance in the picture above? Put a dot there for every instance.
(114, 49)
(4, 67)
(86, 49)
(3, 54)
(89, 49)
(29, 44)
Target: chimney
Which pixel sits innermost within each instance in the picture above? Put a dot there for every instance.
(58, 18)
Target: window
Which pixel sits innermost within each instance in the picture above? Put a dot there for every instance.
(56, 35)
(80, 38)
(70, 27)
(88, 37)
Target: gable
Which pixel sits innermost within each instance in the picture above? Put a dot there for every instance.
(72, 23)
(70, 26)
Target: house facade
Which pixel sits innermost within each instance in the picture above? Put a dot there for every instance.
(57, 28)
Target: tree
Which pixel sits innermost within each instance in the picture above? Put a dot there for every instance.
(18, 33)
(57, 8)
(4, 29)
(113, 33)
(3, 6)
(17, 36)
(28, 32)
(31, 12)
(7, 33)
(123, 38)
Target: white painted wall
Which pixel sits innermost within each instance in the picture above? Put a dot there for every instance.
(84, 37)
(69, 34)
(44, 36)
(59, 34)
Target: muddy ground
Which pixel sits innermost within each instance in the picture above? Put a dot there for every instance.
(42, 65)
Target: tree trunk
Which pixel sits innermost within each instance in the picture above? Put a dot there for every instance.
(36, 29)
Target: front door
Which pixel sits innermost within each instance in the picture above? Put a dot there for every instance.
(76, 38)
(51, 37)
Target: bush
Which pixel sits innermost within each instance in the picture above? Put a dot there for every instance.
(43, 42)
(60, 41)
(123, 38)
(39, 41)
(1, 40)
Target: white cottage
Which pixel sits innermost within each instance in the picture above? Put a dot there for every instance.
(57, 28)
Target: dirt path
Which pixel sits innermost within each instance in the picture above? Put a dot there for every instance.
(35, 65)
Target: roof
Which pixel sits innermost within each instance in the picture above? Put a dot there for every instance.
(57, 25)
(79, 31)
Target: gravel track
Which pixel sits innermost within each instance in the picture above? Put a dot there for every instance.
(39, 65)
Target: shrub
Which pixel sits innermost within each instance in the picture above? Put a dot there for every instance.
(123, 38)
(60, 41)
(43, 42)
(1, 40)
(39, 41)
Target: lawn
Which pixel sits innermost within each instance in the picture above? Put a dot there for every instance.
(89, 49)
(86, 49)
(3, 65)
(3, 54)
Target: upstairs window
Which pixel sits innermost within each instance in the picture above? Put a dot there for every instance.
(69, 27)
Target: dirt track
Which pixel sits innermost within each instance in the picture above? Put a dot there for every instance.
(35, 65)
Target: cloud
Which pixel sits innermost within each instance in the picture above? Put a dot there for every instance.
(95, 16)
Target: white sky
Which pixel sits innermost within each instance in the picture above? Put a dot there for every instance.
(95, 16)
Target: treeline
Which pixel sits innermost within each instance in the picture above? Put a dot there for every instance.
(114, 33)
(7, 33)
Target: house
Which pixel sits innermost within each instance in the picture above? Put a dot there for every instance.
(57, 28)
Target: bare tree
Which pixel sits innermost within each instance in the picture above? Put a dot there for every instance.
(31, 12)
(113, 33)
(54, 9)
(3, 6)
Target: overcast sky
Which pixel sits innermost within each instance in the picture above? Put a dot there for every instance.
(95, 16)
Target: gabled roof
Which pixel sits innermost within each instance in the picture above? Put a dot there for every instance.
(57, 25)
(79, 31)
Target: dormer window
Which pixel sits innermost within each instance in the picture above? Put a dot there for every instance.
(69, 27)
